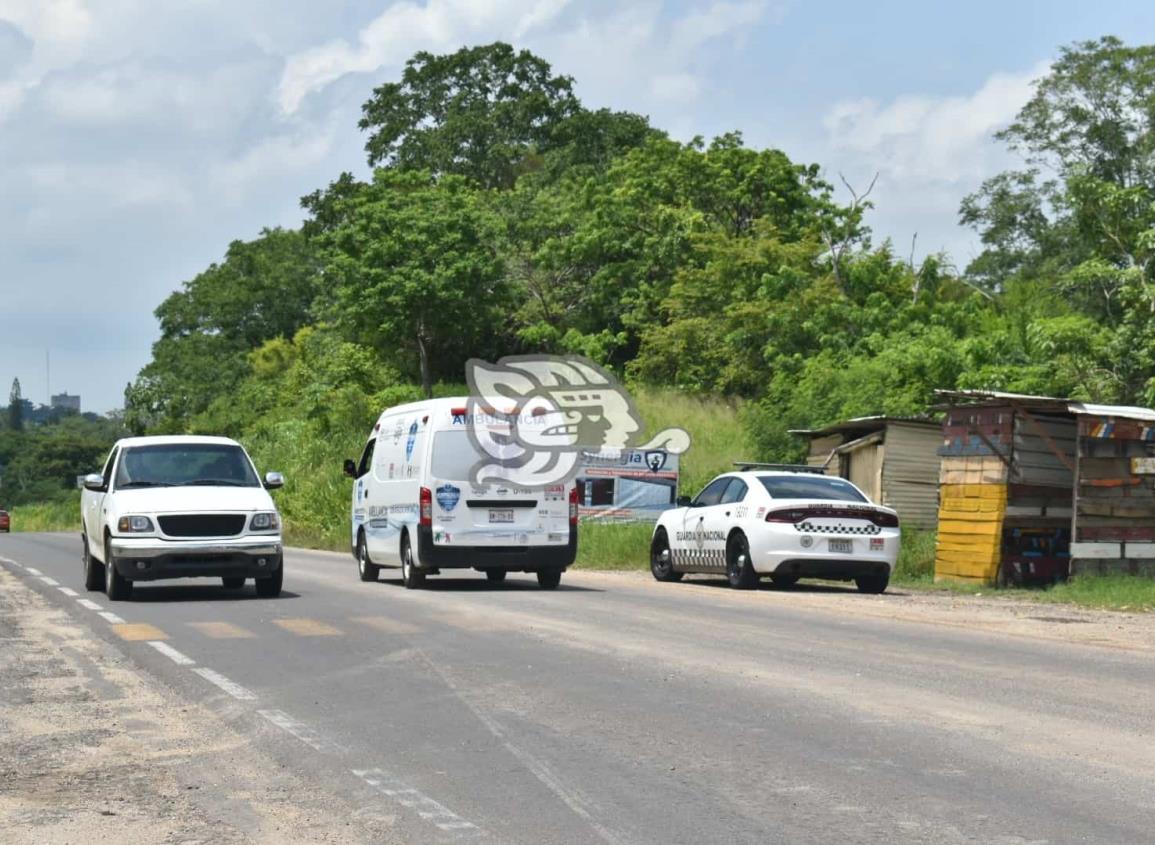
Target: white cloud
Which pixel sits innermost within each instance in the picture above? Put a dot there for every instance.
(404, 28)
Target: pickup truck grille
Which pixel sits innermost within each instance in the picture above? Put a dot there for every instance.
(202, 524)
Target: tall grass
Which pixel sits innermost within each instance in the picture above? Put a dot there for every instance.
(56, 515)
(915, 557)
(608, 545)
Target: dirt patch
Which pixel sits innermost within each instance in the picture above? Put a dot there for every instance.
(90, 751)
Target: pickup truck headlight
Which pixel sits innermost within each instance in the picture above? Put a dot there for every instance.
(134, 525)
(265, 522)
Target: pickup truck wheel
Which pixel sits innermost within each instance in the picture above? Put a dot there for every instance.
(116, 586)
(365, 567)
(495, 576)
(784, 580)
(93, 569)
(411, 576)
(270, 588)
(233, 583)
(548, 579)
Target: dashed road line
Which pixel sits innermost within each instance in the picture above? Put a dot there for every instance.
(32, 571)
(138, 631)
(301, 731)
(172, 654)
(231, 687)
(109, 616)
(385, 624)
(90, 604)
(221, 630)
(427, 808)
(51, 582)
(68, 591)
(307, 627)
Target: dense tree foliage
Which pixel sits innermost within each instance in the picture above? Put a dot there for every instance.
(505, 218)
(41, 462)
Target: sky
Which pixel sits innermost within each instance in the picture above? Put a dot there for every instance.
(139, 137)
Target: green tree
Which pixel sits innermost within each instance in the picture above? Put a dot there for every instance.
(15, 407)
(414, 267)
(478, 113)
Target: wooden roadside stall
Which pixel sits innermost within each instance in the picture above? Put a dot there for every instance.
(1115, 498)
(894, 460)
(1007, 483)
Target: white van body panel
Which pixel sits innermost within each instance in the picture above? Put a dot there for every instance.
(427, 444)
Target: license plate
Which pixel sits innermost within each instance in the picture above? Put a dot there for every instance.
(501, 516)
(842, 547)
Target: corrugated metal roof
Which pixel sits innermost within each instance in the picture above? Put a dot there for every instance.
(860, 423)
(1132, 412)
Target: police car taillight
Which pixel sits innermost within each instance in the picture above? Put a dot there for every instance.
(791, 515)
(573, 505)
(426, 506)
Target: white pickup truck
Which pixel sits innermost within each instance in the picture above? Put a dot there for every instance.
(180, 507)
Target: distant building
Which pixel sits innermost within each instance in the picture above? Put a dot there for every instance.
(65, 402)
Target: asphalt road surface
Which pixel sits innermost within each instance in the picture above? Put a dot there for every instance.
(618, 710)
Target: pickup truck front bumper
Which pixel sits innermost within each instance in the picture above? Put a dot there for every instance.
(150, 559)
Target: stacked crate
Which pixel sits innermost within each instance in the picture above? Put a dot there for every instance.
(973, 476)
(1115, 496)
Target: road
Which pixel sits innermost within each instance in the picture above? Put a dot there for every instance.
(619, 710)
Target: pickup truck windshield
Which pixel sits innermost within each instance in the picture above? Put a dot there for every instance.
(185, 464)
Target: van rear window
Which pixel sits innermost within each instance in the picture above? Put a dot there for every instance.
(455, 455)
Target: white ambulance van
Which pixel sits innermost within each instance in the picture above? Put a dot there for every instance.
(414, 506)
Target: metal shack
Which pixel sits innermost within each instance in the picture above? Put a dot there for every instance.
(1034, 488)
(1114, 521)
(894, 460)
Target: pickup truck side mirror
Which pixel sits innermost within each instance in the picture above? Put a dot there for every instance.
(94, 482)
(350, 468)
(274, 480)
(683, 501)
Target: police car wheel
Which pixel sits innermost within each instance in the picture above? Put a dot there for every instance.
(411, 576)
(661, 560)
(872, 583)
(365, 567)
(739, 571)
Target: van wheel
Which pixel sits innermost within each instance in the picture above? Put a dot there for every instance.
(116, 586)
(93, 569)
(365, 567)
(412, 576)
(495, 576)
(270, 588)
(548, 579)
(739, 571)
(661, 562)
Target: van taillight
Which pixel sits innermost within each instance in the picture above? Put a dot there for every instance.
(426, 506)
(573, 500)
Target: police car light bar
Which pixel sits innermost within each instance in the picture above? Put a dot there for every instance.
(748, 465)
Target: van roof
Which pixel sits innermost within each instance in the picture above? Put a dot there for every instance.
(444, 405)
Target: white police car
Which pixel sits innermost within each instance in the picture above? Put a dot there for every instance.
(787, 522)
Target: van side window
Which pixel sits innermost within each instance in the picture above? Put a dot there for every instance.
(366, 458)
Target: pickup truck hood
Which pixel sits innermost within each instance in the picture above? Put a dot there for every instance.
(193, 500)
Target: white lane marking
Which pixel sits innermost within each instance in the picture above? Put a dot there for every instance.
(11, 562)
(68, 591)
(51, 582)
(301, 731)
(109, 616)
(32, 571)
(427, 808)
(231, 687)
(90, 604)
(540, 770)
(171, 653)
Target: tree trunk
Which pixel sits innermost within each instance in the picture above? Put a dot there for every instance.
(426, 376)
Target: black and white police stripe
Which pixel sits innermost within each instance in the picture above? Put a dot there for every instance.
(811, 528)
(699, 557)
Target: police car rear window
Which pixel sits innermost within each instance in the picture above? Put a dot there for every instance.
(810, 487)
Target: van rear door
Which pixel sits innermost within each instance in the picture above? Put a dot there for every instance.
(468, 514)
